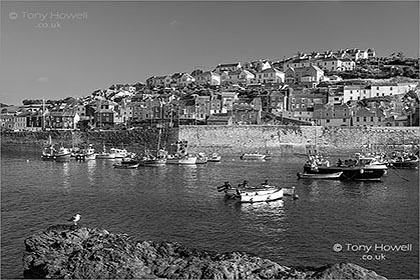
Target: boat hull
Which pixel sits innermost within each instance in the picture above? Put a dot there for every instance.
(62, 157)
(105, 156)
(325, 176)
(154, 162)
(187, 161)
(126, 166)
(368, 173)
(251, 195)
(409, 164)
(201, 161)
(260, 196)
(253, 157)
(289, 191)
(172, 161)
(47, 157)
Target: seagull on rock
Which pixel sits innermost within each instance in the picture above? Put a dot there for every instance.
(75, 218)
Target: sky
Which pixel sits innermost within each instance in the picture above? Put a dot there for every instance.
(53, 50)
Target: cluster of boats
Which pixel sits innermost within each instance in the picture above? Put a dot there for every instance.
(162, 159)
(370, 167)
(65, 154)
(129, 160)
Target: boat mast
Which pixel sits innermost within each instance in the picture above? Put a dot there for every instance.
(43, 114)
(158, 145)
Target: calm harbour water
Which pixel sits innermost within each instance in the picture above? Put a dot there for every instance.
(180, 203)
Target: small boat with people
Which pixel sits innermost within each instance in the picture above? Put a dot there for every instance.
(215, 157)
(247, 194)
(252, 156)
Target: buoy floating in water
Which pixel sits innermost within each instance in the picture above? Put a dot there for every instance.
(295, 196)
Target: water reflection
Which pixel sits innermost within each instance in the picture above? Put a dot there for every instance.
(91, 167)
(272, 207)
(66, 176)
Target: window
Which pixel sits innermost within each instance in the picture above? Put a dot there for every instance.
(364, 119)
(344, 120)
(358, 119)
(327, 121)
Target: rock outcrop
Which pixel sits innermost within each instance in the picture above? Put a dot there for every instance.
(64, 251)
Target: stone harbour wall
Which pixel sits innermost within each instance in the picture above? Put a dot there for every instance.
(231, 140)
(295, 139)
(136, 140)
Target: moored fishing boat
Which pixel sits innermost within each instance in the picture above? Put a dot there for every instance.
(252, 156)
(48, 153)
(127, 163)
(214, 157)
(89, 153)
(404, 160)
(48, 150)
(358, 168)
(187, 160)
(325, 176)
(290, 191)
(201, 158)
(405, 164)
(62, 154)
(158, 159)
(118, 153)
(104, 154)
(151, 160)
(172, 159)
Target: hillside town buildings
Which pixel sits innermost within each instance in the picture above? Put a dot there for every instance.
(298, 89)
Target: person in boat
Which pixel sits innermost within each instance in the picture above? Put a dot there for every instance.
(244, 184)
(227, 185)
(265, 183)
(339, 162)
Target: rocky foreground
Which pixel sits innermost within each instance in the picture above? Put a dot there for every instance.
(64, 251)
